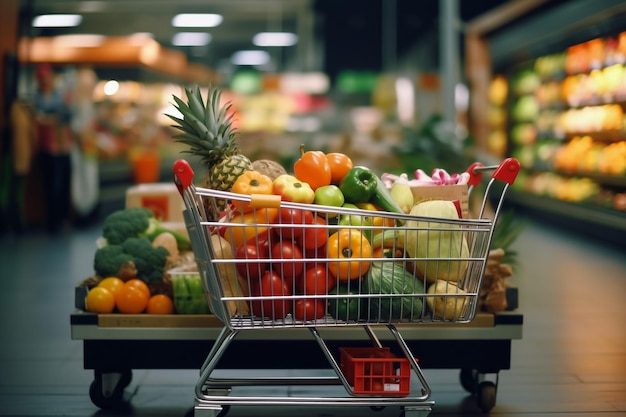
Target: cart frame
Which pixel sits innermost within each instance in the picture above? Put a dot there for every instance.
(212, 397)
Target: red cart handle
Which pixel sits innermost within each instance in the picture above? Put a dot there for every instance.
(183, 175)
(476, 174)
(506, 172)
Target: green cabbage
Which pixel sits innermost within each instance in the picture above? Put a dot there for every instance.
(423, 240)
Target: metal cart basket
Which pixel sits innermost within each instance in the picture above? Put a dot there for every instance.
(272, 264)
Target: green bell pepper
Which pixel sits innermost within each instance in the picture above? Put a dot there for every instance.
(358, 185)
(361, 185)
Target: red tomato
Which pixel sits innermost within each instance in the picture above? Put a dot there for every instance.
(316, 280)
(314, 236)
(264, 241)
(288, 216)
(280, 254)
(313, 254)
(309, 309)
(252, 270)
(271, 285)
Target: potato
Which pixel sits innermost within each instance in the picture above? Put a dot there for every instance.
(168, 241)
(448, 305)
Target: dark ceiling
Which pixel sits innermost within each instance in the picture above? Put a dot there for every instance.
(339, 34)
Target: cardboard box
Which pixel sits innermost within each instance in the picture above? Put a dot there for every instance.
(444, 192)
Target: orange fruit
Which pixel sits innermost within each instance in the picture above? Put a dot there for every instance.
(112, 284)
(131, 300)
(160, 304)
(139, 284)
(100, 300)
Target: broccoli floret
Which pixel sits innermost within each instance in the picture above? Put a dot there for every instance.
(108, 259)
(149, 261)
(137, 222)
(123, 224)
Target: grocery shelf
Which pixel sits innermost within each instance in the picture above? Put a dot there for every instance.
(604, 223)
(603, 179)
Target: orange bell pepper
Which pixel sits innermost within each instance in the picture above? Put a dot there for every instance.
(252, 224)
(352, 251)
(340, 164)
(313, 168)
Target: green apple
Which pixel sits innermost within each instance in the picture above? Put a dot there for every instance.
(329, 195)
(354, 219)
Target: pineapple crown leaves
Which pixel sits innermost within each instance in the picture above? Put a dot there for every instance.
(205, 126)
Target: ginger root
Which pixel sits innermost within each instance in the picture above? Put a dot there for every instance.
(492, 295)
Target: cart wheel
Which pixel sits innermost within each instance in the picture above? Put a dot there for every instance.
(104, 400)
(127, 376)
(105, 395)
(225, 410)
(468, 380)
(486, 395)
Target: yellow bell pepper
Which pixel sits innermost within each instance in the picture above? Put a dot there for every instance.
(352, 251)
(251, 183)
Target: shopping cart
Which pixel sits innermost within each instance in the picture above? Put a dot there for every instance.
(375, 270)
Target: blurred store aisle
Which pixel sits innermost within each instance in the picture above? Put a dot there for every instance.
(572, 358)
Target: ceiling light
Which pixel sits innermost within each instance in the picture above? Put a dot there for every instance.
(275, 39)
(191, 39)
(57, 20)
(250, 58)
(196, 20)
(111, 87)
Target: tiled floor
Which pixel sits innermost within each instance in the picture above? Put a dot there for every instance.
(570, 361)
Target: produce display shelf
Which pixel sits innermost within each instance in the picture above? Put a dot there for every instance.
(115, 344)
(605, 224)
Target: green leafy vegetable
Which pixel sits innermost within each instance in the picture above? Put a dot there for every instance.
(137, 222)
(148, 260)
(390, 280)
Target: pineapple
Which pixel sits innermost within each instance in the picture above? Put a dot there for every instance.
(207, 129)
